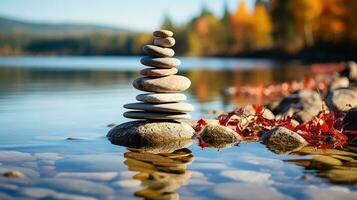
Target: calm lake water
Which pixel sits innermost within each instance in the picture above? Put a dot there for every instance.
(55, 112)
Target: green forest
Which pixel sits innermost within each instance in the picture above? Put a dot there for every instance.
(319, 29)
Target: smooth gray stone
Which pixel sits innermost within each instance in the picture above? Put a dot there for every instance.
(161, 97)
(155, 115)
(167, 84)
(342, 99)
(160, 62)
(214, 133)
(144, 132)
(282, 140)
(165, 42)
(156, 51)
(163, 33)
(164, 107)
(154, 72)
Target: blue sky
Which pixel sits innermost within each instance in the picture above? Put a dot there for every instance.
(144, 15)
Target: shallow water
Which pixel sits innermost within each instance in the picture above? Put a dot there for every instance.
(54, 116)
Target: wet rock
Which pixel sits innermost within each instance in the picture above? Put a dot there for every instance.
(217, 133)
(96, 176)
(167, 84)
(141, 133)
(15, 156)
(304, 105)
(283, 140)
(327, 160)
(350, 71)
(342, 99)
(13, 174)
(340, 82)
(76, 186)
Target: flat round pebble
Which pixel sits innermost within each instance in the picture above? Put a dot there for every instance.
(167, 84)
(155, 115)
(160, 62)
(158, 51)
(165, 107)
(165, 42)
(161, 97)
(163, 33)
(153, 72)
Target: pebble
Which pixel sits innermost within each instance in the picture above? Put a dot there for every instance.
(141, 133)
(163, 33)
(155, 115)
(283, 140)
(213, 133)
(152, 72)
(165, 107)
(161, 97)
(165, 42)
(341, 82)
(13, 174)
(158, 51)
(342, 99)
(168, 84)
(160, 62)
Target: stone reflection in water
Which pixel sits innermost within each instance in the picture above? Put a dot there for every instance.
(161, 170)
(337, 166)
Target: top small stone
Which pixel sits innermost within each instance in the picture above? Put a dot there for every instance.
(163, 33)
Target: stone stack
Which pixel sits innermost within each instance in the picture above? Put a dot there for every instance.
(158, 109)
(164, 102)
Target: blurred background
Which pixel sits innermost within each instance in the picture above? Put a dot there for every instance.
(279, 29)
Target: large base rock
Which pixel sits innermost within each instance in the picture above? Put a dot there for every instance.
(145, 133)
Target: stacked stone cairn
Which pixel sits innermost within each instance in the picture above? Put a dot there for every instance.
(165, 99)
(163, 104)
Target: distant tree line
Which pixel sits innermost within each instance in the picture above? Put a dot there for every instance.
(274, 28)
